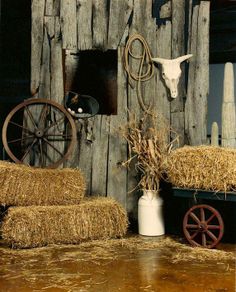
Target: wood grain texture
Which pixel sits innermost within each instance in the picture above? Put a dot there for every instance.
(68, 15)
(84, 24)
(37, 33)
(117, 175)
(119, 14)
(178, 49)
(100, 24)
(52, 8)
(198, 86)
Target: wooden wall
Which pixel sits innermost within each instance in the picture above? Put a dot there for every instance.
(171, 28)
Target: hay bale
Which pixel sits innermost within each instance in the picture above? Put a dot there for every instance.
(21, 185)
(94, 218)
(203, 167)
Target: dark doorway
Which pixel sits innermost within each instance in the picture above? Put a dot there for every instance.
(15, 47)
(94, 73)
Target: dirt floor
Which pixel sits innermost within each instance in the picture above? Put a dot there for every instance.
(136, 264)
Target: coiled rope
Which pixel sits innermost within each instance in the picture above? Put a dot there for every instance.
(145, 69)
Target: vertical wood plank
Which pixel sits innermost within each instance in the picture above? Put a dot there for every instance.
(100, 23)
(52, 8)
(120, 11)
(178, 45)
(69, 24)
(196, 106)
(37, 32)
(84, 24)
(117, 175)
(190, 103)
(100, 154)
(162, 102)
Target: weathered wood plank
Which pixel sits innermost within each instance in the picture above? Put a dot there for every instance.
(196, 104)
(86, 151)
(117, 175)
(178, 45)
(52, 8)
(166, 11)
(45, 68)
(57, 84)
(69, 24)
(120, 11)
(144, 24)
(37, 32)
(100, 154)
(162, 102)
(100, 23)
(84, 24)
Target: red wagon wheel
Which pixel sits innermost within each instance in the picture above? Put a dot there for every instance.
(203, 226)
(39, 132)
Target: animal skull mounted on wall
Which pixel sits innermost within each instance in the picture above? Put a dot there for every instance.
(171, 72)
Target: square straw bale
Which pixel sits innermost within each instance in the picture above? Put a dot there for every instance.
(35, 226)
(203, 167)
(21, 185)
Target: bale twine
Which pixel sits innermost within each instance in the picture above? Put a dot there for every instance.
(203, 167)
(21, 185)
(94, 218)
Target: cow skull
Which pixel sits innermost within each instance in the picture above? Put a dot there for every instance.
(171, 72)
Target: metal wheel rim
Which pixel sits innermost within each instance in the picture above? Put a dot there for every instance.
(39, 101)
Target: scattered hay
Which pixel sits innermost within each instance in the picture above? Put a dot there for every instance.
(21, 185)
(203, 167)
(93, 218)
(97, 250)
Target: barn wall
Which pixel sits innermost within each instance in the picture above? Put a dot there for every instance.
(61, 28)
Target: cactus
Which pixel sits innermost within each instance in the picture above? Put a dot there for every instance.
(215, 134)
(228, 109)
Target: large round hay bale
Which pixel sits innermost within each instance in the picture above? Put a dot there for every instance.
(203, 167)
(21, 185)
(94, 218)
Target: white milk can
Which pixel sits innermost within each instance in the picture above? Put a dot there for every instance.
(150, 214)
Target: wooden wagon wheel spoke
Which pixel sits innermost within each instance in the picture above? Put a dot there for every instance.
(210, 218)
(195, 218)
(28, 150)
(191, 226)
(56, 123)
(21, 139)
(211, 235)
(20, 126)
(50, 144)
(43, 145)
(202, 234)
(213, 227)
(194, 234)
(31, 117)
(202, 213)
(43, 114)
(204, 242)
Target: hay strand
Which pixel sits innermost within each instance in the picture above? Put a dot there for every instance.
(21, 185)
(204, 167)
(93, 218)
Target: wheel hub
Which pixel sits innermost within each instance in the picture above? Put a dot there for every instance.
(39, 133)
(203, 226)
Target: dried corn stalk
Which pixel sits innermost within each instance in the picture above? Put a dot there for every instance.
(148, 147)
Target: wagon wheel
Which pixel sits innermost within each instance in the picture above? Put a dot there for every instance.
(39, 132)
(203, 226)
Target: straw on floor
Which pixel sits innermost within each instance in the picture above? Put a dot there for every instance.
(203, 167)
(21, 185)
(93, 218)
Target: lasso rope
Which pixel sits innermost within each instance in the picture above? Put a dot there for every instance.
(145, 61)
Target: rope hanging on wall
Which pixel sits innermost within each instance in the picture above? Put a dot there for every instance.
(146, 67)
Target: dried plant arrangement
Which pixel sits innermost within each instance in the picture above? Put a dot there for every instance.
(148, 143)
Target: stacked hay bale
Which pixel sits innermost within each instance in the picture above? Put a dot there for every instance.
(203, 167)
(48, 207)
